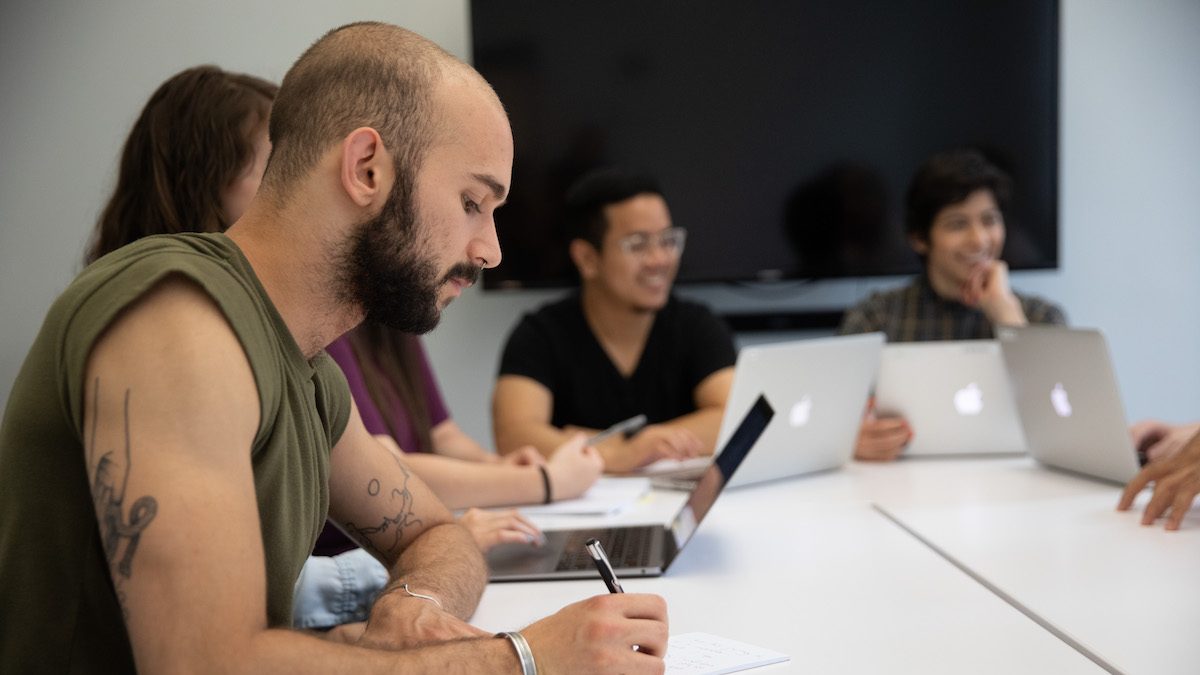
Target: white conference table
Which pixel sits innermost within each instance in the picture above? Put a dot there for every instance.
(972, 565)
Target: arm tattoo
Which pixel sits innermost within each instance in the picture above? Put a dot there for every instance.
(109, 482)
(383, 540)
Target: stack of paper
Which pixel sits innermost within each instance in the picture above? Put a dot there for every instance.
(678, 468)
(606, 496)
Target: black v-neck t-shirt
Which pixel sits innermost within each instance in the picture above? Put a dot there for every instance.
(556, 347)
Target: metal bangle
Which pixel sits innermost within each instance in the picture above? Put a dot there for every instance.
(524, 653)
(423, 597)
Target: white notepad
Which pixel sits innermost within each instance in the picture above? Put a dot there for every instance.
(704, 654)
(606, 496)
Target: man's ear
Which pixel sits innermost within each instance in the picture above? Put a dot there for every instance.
(586, 258)
(918, 244)
(366, 167)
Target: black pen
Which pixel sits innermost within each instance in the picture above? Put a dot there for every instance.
(595, 550)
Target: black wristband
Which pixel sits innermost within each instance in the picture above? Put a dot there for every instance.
(545, 483)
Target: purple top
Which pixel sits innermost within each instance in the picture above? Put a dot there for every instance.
(332, 541)
(406, 437)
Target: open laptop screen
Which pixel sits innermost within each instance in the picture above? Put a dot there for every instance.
(720, 471)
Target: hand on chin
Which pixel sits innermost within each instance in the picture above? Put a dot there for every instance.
(975, 284)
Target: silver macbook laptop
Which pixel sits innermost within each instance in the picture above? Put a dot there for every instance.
(820, 387)
(1068, 400)
(638, 550)
(955, 395)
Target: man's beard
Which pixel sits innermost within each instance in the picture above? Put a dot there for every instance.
(387, 270)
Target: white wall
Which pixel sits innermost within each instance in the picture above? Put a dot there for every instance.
(73, 77)
(73, 80)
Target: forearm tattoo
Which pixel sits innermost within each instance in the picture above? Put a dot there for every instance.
(110, 478)
(384, 539)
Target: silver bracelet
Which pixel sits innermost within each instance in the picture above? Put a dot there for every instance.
(423, 597)
(524, 653)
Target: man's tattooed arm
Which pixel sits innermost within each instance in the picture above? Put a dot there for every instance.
(385, 539)
(421, 546)
(120, 530)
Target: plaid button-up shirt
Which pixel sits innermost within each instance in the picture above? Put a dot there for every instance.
(915, 313)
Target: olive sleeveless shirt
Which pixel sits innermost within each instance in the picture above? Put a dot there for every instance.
(59, 612)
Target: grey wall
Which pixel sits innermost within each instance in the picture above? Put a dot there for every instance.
(73, 80)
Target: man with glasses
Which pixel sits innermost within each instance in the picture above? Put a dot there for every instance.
(620, 346)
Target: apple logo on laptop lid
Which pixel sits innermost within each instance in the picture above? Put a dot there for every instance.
(1060, 400)
(969, 400)
(801, 411)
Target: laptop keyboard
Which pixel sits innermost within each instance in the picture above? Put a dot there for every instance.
(625, 546)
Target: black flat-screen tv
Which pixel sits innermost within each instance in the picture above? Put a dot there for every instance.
(784, 132)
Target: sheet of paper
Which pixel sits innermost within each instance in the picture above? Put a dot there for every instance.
(704, 654)
(608, 495)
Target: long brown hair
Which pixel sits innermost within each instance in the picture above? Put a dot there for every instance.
(193, 138)
(387, 356)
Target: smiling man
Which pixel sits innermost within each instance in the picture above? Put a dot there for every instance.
(955, 223)
(177, 433)
(623, 345)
